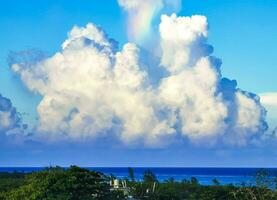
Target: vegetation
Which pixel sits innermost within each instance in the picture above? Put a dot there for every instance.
(76, 183)
(57, 183)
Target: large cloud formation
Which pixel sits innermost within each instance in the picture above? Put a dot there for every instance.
(91, 89)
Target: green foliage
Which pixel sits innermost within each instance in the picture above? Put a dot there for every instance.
(57, 183)
(14, 175)
(253, 193)
(192, 190)
(11, 181)
(172, 190)
(81, 184)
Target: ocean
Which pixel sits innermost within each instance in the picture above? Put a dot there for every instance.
(235, 176)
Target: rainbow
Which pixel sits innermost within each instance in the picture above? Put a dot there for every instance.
(140, 21)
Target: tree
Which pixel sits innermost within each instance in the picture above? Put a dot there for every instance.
(216, 182)
(263, 179)
(194, 181)
(131, 174)
(72, 184)
(149, 177)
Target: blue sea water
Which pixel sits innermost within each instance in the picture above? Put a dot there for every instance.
(235, 176)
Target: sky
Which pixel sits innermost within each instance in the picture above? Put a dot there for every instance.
(127, 87)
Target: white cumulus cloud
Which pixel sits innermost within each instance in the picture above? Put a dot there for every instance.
(206, 104)
(269, 101)
(269, 98)
(91, 89)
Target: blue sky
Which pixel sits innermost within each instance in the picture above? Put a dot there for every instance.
(243, 34)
